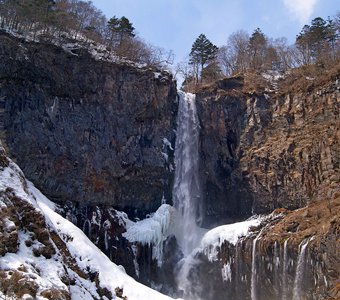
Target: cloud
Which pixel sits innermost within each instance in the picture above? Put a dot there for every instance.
(300, 9)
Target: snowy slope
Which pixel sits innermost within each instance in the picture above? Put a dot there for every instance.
(93, 274)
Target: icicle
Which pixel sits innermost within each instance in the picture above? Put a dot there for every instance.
(163, 199)
(88, 223)
(226, 272)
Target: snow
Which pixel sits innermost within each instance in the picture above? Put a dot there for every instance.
(47, 272)
(46, 275)
(88, 255)
(213, 239)
(152, 231)
(157, 75)
(77, 41)
(166, 156)
(8, 225)
(12, 177)
(272, 76)
(166, 142)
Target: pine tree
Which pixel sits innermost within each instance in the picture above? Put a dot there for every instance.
(120, 28)
(316, 41)
(202, 53)
(126, 27)
(257, 48)
(113, 26)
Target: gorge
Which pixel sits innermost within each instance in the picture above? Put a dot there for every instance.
(141, 168)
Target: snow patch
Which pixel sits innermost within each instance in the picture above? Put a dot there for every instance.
(166, 142)
(152, 231)
(213, 239)
(47, 273)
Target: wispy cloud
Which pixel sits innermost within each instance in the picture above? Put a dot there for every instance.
(300, 9)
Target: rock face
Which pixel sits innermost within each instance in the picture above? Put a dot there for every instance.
(85, 130)
(261, 151)
(98, 136)
(293, 255)
(25, 234)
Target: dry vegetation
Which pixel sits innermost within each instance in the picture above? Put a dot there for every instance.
(306, 78)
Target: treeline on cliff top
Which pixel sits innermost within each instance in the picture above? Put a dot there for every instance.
(316, 47)
(317, 44)
(78, 19)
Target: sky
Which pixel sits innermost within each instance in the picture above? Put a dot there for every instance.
(175, 24)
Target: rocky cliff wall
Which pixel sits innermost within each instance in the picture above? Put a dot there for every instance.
(88, 130)
(291, 255)
(270, 149)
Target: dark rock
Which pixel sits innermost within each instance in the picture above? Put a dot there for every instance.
(91, 131)
(266, 150)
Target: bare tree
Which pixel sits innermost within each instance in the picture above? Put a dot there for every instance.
(234, 57)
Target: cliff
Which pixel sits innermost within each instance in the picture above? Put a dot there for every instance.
(86, 129)
(268, 148)
(44, 256)
(289, 255)
(96, 134)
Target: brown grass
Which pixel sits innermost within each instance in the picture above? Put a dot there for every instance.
(17, 284)
(307, 78)
(55, 294)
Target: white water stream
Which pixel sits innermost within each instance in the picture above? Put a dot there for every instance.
(186, 228)
(285, 270)
(186, 191)
(253, 270)
(299, 272)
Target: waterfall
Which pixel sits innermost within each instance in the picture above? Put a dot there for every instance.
(276, 268)
(186, 191)
(285, 270)
(299, 272)
(253, 269)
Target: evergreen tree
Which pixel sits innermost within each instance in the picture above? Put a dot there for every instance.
(113, 26)
(257, 48)
(316, 41)
(120, 28)
(126, 28)
(202, 53)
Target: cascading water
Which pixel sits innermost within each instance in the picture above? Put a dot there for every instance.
(186, 191)
(253, 270)
(299, 272)
(285, 270)
(186, 228)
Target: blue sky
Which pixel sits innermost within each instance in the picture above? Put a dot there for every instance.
(175, 24)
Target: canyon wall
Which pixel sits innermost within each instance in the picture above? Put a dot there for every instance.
(290, 255)
(267, 149)
(88, 130)
(96, 134)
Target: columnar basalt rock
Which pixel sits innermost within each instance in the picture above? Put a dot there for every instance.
(99, 136)
(261, 151)
(86, 130)
(295, 255)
